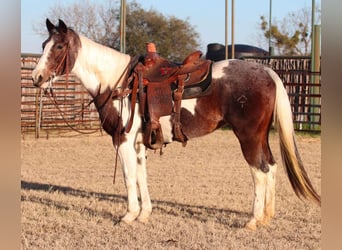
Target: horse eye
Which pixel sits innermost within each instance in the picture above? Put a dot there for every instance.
(60, 46)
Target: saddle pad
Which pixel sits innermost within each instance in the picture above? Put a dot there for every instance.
(159, 99)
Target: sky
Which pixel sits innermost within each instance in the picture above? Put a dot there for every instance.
(207, 17)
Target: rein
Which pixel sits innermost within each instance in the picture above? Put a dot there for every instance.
(53, 99)
(59, 66)
(115, 94)
(120, 96)
(62, 114)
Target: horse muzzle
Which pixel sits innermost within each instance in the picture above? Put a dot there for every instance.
(37, 81)
(41, 81)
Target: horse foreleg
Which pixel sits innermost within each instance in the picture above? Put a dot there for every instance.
(128, 158)
(146, 206)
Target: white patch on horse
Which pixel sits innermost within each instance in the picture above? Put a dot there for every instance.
(165, 122)
(40, 68)
(97, 64)
(217, 70)
(264, 197)
(126, 108)
(189, 105)
(260, 182)
(270, 192)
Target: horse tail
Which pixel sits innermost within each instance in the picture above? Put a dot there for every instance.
(291, 159)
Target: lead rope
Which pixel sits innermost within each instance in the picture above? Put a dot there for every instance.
(119, 128)
(118, 139)
(52, 98)
(120, 108)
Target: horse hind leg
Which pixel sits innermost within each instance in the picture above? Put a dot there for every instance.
(264, 197)
(263, 169)
(260, 182)
(270, 193)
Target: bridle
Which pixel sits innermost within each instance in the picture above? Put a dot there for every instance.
(66, 60)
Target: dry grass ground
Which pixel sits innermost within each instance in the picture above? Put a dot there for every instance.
(201, 194)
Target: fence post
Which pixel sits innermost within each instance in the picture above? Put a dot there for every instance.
(36, 114)
(39, 111)
(315, 68)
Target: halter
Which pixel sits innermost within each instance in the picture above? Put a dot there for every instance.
(65, 58)
(54, 74)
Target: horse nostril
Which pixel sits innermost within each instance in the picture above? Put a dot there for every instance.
(37, 82)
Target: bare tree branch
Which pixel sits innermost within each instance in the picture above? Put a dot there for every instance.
(175, 38)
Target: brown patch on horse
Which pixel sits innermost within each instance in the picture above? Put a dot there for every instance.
(251, 102)
(207, 116)
(110, 117)
(63, 54)
(243, 99)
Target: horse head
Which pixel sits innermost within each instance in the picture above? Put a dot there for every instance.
(59, 54)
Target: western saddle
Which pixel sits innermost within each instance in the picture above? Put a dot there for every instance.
(161, 85)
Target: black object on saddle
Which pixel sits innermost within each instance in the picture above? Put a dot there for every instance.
(162, 85)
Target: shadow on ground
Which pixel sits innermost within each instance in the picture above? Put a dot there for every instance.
(227, 217)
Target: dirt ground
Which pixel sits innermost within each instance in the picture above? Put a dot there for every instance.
(201, 195)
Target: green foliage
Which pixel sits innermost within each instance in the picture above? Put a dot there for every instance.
(285, 43)
(174, 38)
(292, 35)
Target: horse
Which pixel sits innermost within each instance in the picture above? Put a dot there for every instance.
(246, 96)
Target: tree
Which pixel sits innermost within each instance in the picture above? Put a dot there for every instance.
(174, 38)
(291, 36)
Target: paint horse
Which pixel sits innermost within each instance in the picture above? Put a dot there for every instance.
(246, 96)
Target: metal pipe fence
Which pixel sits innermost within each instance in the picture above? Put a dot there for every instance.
(303, 87)
(38, 112)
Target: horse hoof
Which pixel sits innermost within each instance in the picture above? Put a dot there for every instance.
(129, 218)
(144, 216)
(251, 225)
(143, 219)
(265, 221)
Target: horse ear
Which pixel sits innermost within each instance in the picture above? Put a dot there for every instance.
(62, 26)
(49, 25)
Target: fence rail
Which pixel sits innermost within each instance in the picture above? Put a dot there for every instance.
(303, 88)
(38, 112)
(68, 107)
